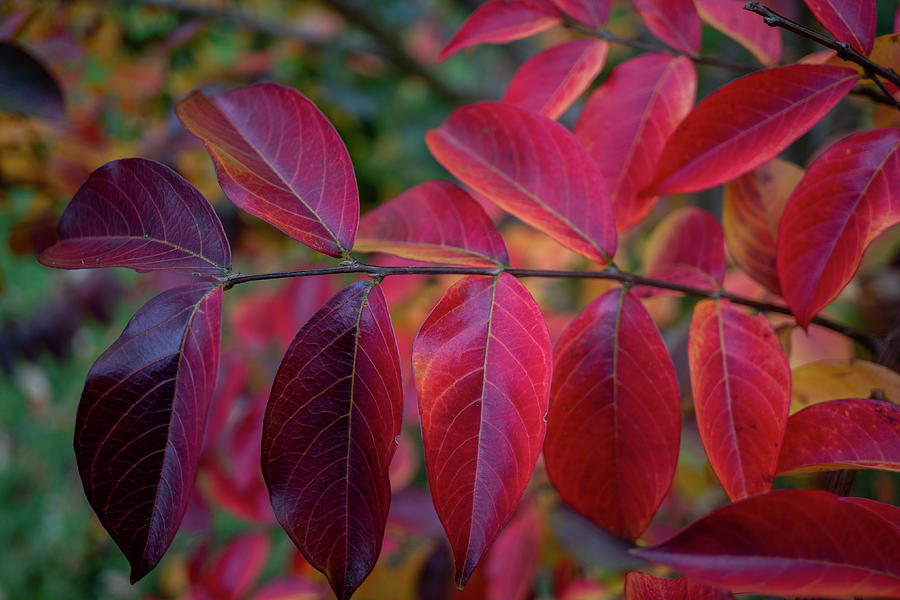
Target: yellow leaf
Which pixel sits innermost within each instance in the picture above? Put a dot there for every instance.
(834, 379)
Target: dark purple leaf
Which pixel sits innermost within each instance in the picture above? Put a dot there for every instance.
(26, 86)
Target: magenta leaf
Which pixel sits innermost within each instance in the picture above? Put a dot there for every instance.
(548, 83)
(435, 221)
(791, 543)
(140, 422)
(278, 158)
(615, 415)
(499, 21)
(741, 384)
(846, 199)
(592, 13)
(840, 434)
(501, 151)
(851, 21)
(744, 27)
(482, 367)
(140, 214)
(329, 435)
(746, 123)
(675, 22)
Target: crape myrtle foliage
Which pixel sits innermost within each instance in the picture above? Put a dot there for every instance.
(603, 404)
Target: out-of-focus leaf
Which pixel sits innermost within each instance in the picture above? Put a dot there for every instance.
(278, 158)
(482, 367)
(791, 543)
(746, 123)
(499, 21)
(643, 586)
(741, 384)
(626, 122)
(676, 22)
(26, 86)
(290, 588)
(746, 28)
(548, 83)
(833, 379)
(139, 428)
(851, 21)
(848, 196)
(511, 565)
(435, 221)
(237, 567)
(500, 150)
(615, 415)
(140, 214)
(329, 435)
(592, 13)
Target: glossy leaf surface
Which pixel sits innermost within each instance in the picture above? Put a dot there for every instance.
(833, 379)
(643, 586)
(548, 83)
(499, 21)
(329, 434)
(482, 367)
(791, 543)
(592, 13)
(741, 385)
(140, 214)
(435, 221)
(278, 157)
(615, 415)
(500, 150)
(139, 428)
(687, 247)
(676, 22)
(751, 209)
(841, 434)
(746, 123)
(851, 21)
(848, 196)
(626, 122)
(746, 28)
(26, 86)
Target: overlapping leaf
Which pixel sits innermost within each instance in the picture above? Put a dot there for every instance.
(847, 197)
(741, 385)
(841, 434)
(626, 122)
(140, 214)
(592, 13)
(746, 28)
(329, 435)
(533, 168)
(746, 123)
(751, 209)
(26, 86)
(278, 158)
(434, 221)
(851, 21)
(139, 428)
(676, 22)
(687, 247)
(615, 415)
(791, 543)
(833, 379)
(549, 82)
(499, 21)
(643, 586)
(482, 367)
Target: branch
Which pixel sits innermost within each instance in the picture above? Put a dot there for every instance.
(612, 273)
(843, 49)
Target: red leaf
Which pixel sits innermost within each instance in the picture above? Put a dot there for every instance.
(139, 214)
(511, 565)
(643, 586)
(482, 367)
(851, 21)
(278, 158)
(746, 28)
(501, 151)
(741, 384)
(790, 543)
(549, 82)
(500, 21)
(842, 434)
(751, 209)
(139, 428)
(237, 567)
(746, 123)
(846, 199)
(675, 22)
(687, 247)
(626, 122)
(615, 415)
(329, 435)
(592, 13)
(436, 221)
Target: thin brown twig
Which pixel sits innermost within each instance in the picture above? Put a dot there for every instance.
(611, 273)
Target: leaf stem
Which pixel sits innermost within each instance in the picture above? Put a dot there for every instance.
(612, 273)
